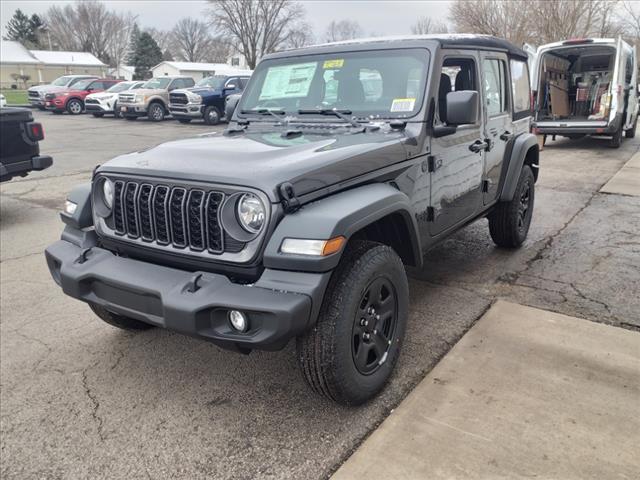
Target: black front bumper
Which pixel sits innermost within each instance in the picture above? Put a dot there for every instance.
(17, 169)
(280, 305)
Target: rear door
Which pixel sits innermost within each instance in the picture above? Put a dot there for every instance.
(497, 119)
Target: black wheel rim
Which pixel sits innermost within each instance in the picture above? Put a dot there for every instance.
(374, 326)
(524, 206)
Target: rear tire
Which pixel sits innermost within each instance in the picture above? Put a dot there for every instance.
(509, 222)
(616, 139)
(119, 321)
(631, 133)
(349, 355)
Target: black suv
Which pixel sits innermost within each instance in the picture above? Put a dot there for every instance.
(206, 100)
(343, 164)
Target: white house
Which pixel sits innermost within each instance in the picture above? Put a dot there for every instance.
(123, 72)
(194, 70)
(43, 66)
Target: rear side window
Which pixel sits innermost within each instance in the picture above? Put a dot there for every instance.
(520, 87)
(495, 89)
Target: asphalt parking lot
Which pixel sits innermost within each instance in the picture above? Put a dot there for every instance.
(80, 399)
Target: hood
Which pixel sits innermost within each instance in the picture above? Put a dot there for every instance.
(48, 89)
(264, 160)
(202, 91)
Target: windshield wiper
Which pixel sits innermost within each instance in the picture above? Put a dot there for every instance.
(341, 114)
(265, 111)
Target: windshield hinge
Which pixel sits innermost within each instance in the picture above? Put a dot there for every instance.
(288, 198)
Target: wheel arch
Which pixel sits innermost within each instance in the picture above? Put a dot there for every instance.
(376, 212)
(523, 151)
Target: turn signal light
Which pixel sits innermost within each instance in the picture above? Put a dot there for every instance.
(318, 248)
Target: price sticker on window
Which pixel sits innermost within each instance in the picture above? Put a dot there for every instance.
(403, 104)
(331, 64)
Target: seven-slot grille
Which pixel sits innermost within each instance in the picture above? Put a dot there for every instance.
(178, 98)
(169, 215)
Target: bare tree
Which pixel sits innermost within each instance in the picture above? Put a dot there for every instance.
(89, 27)
(191, 40)
(256, 27)
(343, 30)
(162, 38)
(300, 37)
(629, 19)
(426, 25)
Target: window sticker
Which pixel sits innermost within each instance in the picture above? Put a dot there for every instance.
(288, 81)
(403, 104)
(337, 63)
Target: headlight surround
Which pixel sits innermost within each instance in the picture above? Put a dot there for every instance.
(107, 193)
(194, 98)
(139, 98)
(251, 213)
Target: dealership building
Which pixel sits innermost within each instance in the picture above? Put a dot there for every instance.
(43, 66)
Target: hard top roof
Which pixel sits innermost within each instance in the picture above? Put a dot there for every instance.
(452, 40)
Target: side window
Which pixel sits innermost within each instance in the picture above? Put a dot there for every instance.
(495, 91)
(232, 81)
(457, 74)
(628, 71)
(243, 82)
(97, 85)
(188, 82)
(520, 86)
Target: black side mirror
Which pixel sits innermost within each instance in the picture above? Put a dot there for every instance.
(462, 107)
(230, 105)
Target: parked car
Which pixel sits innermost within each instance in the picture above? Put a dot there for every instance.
(586, 87)
(72, 99)
(101, 103)
(152, 99)
(3, 101)
(207, 99)
(299, 221)
(36, 94)
(19, 149)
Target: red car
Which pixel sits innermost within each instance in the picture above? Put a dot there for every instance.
(72, 99)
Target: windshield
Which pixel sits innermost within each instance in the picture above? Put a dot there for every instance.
(216, 81)
(119, 87)
(82, 84)
(372, 84)
(61, 81)
(157, 83)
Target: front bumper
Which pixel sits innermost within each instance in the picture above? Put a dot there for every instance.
(280, 305)
(56, 104)
(17, 169)
(189, 110)
(97, 108)
(36, 102)
(133, 109)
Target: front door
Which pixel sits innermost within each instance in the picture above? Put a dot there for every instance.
(498, 128)
(457, 163)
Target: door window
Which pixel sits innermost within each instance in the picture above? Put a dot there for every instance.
(457, 74)
(495, 91)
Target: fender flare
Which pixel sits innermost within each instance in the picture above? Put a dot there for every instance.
(517, 154)
(345, 214)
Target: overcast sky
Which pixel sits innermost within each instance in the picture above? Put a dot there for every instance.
(375, 17)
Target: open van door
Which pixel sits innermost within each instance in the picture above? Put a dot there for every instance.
(632, 102)
(617, 81)
(532, 54)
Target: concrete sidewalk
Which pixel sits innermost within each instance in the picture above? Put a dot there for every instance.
(627, 180)
(525, 393)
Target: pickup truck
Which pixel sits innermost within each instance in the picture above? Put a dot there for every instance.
(19, 149)
(152, 99)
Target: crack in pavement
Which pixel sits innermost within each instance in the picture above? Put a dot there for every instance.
(94, 402)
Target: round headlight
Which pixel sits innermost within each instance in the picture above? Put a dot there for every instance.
(107, 192)
(251, 213)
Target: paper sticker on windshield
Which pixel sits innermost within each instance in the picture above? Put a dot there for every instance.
(403, 104)
(337, 63)
(288, 81)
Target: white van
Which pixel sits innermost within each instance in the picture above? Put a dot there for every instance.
(586, 87)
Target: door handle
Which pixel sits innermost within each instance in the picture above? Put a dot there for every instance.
(478, 146)
(506, 136)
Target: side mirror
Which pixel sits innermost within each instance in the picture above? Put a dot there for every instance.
(230, 105)
(462, 107)
(231, 86)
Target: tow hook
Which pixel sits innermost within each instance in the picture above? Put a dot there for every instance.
(83, 256)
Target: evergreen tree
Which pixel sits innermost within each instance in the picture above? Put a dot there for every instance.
(21, 29)
(38, 28)
(145, 54)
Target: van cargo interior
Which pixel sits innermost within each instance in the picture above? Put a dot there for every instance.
(575, 83)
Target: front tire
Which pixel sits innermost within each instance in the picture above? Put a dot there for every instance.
(509, 222)
(631, 133)
(75, 106)
(211, 116)
(349, 355)
(156, 112)
(616, 139)
(119, 321)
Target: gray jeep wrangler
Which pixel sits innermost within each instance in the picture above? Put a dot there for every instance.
(343, 164)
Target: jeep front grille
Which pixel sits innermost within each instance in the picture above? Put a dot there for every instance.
(170, 215)
(178, 98)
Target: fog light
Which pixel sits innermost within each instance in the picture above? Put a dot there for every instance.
(70, 207)
(238, 320)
